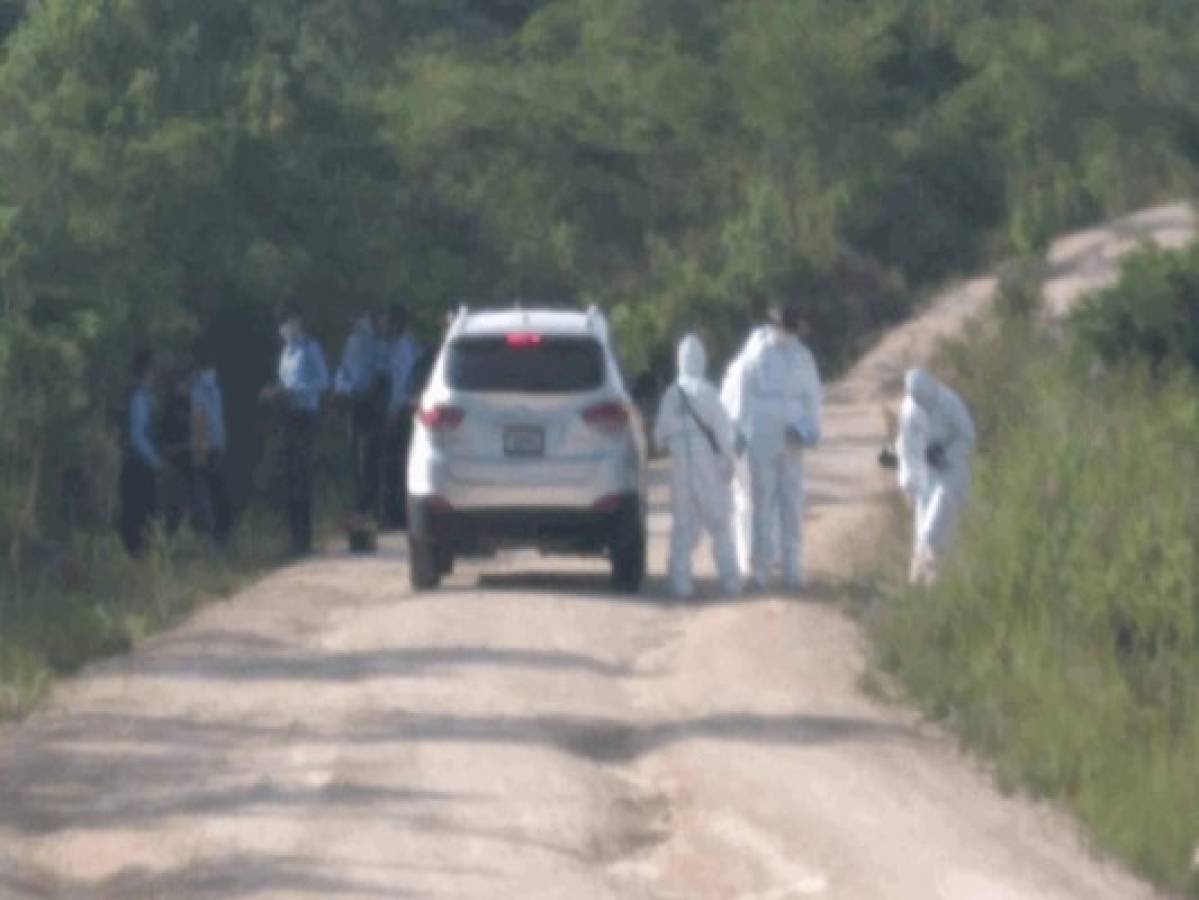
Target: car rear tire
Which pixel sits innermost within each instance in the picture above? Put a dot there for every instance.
(629, 554)
(424, 564)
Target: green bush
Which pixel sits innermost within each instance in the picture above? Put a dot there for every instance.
(1152, 314)
(1021, 282)
(1063, 637)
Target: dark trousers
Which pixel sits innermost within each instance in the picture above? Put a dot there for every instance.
(213, 512)
(298, 433)
(176, 494)
(395, 469)
(139, 503)
(366, 441)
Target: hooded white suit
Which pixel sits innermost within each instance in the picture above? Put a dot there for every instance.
(936, 438)
(695, 430)
(776, 406)
(731, 397)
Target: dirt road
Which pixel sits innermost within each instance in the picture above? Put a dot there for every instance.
(524, 734)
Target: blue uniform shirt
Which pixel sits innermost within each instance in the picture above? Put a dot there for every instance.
(206, 396)
(403, 356)
(141, 410)
(359, 359)
(303, 374)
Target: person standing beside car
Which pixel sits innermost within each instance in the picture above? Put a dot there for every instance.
(778, 408)
(303, 380)
(404, 363)
(213, 512)
(693, 427)
(177, 486)
(143, 462)
(731, 397)
(361, 384)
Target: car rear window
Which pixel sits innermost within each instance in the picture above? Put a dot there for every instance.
(530, 364)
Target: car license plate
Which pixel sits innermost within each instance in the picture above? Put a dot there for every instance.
(523, 440)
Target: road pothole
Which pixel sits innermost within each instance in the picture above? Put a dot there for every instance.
(634, 823)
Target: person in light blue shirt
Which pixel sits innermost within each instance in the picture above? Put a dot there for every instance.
(208, 407)
(143, 461)
(209, 442)
(360, 357)
(141, 415)
(361, 384)
(303, 380)
(303, 375)
(403, 361)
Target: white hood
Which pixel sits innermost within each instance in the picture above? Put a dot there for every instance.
(921, 387)
(692, 361)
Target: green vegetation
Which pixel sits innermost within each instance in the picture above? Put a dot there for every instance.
(92, 600)
(172, 169)
(1152, 315)
(1063, 641)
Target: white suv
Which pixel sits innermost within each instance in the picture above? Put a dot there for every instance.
(526, 437)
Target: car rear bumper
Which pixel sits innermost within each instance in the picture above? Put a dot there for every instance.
(574, 531)
(545, 484)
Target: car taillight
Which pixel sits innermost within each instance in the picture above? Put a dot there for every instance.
(524, 339)
(610, 416)
(441, 417)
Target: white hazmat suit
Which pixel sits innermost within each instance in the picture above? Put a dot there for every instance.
(777, 408)
(730, 396)
(695, 430)
(936, 438)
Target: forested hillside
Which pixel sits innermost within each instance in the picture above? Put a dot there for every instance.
(171, 169)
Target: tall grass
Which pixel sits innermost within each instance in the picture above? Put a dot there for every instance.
(1063, 639)
(92, 600)
(88, 599)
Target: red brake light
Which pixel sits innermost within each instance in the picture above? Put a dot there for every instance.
(611, 416)
(524, 339)
(441, 417)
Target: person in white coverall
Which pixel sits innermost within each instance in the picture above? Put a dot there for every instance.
(778, 409)
(730, 396)
(695, 430)
(936, 438)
